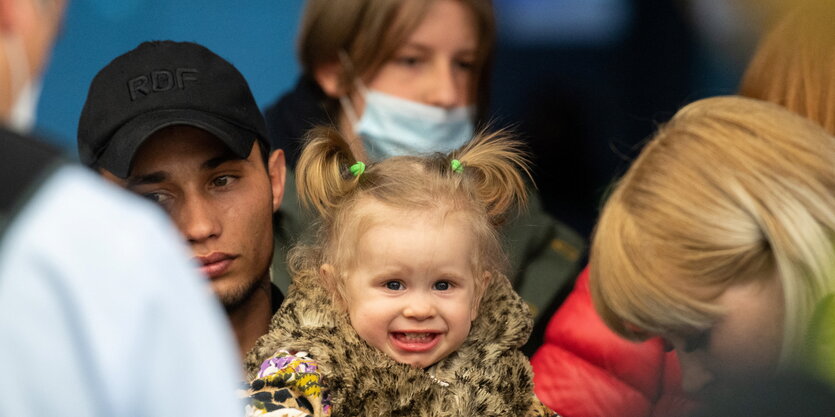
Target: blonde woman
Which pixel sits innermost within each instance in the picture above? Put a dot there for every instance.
(408, 77)
(721, 239)
(794, 66)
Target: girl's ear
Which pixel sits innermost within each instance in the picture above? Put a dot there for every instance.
(477, 302)
(330, 282)
(329, 76)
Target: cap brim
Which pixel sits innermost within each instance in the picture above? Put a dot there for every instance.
(118, 157)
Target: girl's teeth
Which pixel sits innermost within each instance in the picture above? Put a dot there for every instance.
(416, 336)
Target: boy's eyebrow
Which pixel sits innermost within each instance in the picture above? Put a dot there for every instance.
(152, 178)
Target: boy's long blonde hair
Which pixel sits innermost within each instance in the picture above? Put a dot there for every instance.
(489, 183)
(794, 64)
(731, 190)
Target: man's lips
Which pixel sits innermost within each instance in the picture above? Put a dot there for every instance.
(415, 341)
(215, 264)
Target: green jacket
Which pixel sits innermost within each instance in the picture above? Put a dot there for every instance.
(821, 340)
(544, 254)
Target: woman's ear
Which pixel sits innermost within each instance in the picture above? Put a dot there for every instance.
(329, 76)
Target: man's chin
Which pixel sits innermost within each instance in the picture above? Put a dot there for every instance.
(233, 295)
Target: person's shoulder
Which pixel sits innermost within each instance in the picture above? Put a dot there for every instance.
(77, 200)
(83, 225)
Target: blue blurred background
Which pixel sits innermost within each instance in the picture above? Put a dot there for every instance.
(585, 82)
(257, 36)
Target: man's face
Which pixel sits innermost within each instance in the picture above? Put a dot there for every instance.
(222, 204)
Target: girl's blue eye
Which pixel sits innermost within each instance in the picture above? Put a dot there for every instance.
(442, 285)
(394, 285)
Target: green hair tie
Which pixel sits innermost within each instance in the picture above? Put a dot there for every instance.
(457, 166)
(357, 169)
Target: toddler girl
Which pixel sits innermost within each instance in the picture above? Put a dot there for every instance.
(402, 306)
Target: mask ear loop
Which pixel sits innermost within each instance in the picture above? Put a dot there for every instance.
(344, 101)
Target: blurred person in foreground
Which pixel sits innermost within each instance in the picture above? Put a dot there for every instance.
(100, 312)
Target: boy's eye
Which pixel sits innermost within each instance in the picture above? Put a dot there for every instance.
(442, 285)
(394, 285)
(697, 341)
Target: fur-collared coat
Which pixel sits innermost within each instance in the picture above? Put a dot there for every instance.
(486, 376)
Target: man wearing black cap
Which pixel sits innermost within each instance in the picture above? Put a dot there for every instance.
(177, 124)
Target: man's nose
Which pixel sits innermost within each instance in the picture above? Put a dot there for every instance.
(197, 221)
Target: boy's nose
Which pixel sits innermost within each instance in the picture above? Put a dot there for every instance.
(694, 375)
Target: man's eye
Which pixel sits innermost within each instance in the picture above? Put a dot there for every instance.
(442, 285)
(394, 285)
(223, 180)
(158, 198)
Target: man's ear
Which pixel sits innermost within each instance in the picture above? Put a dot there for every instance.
(329, 78)
(277, 169)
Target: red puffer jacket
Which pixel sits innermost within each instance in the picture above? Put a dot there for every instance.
(583, 369)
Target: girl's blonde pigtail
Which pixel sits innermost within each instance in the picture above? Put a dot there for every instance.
(323, 174)
(498, 165)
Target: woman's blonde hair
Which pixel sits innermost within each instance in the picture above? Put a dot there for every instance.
(731, 190)
(794, 64)
(371, 31)
(486, 182)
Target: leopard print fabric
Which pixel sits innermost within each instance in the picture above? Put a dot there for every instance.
(288, 384)
(486, 376)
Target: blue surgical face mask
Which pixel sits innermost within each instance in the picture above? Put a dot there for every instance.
(21, 116)
(392, 126)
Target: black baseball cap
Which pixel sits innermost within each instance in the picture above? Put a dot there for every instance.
(161, 84)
